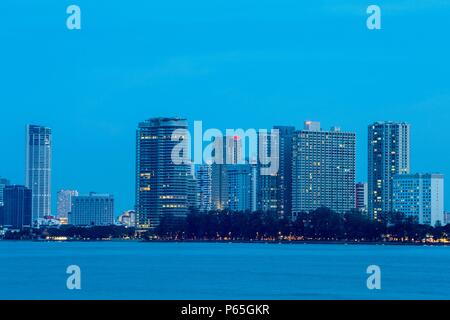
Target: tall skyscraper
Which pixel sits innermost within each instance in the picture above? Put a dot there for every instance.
(361, 197)
(323, 173)
(64, 205)
(232, 154)
(284, 176)
(3, 183)
(420, 196)
(268, 188)
(92, 210)
(275, 191)
(389, 155)
(38, 169)
(161, 185)
(16, 212)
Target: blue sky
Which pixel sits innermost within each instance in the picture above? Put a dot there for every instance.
(232, 64)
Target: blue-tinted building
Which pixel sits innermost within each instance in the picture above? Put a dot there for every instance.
(204, 181)
(92, 210)
(16, 212)
(38, 169)
(239, 187)
(420, 197)
(275, 190)
(3, 183)
(161, 185)
(389, 155)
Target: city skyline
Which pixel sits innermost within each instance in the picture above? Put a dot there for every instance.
(234, 155)
(298, 130)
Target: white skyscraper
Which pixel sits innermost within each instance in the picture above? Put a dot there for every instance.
(420, 196)
(38, 169)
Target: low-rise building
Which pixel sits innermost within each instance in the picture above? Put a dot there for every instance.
(420, 196)
(92, 210)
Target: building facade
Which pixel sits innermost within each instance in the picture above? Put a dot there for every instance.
(284, 176)
(420, 196)
(204, 182)
(38, 169)
(127, 219)
(268, 188)
(389, 155)
(64, 205)
(161, 185)
(239, 187)
(17, 209)
(193, 195)
(323, 173)
(361, 197)
(232, 154)
(447, 218)
(3, 183)
(92, 210)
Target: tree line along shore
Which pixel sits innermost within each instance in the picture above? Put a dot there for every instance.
(321, 225)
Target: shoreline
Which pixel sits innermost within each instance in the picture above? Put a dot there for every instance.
(299, 242)
(272, 242)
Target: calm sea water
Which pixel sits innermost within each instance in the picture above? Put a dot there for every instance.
(134, 270)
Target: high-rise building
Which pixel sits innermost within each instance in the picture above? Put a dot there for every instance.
(219, 186)
(268, 193)
(92, 210)
(16, 212)
(234, 150)
(64, 205)
(38, 169)
(268, 188)
(361, 197)
(239, 187)
(323, 173)
(234, 182)
(204, 181)
(284, 176)
(389, 155)
(161, 184)
(275, 190)
(232, 154)
(3, 183)
(420, 196)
